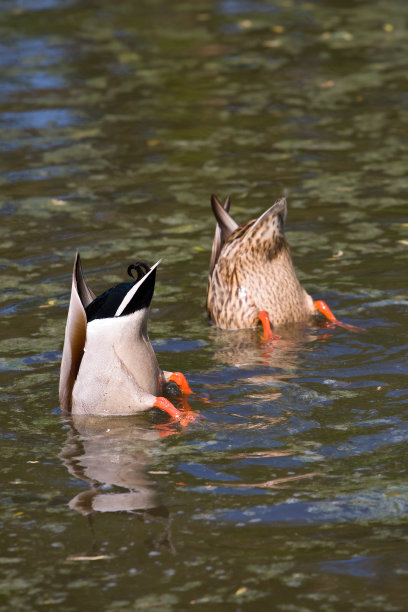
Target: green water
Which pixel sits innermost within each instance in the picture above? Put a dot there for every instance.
(117, 122)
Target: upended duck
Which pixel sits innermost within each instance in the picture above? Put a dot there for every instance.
(108, 365)
(252, 277)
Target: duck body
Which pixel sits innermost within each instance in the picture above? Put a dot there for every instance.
(251, 271)
(119, 370)
(108, 364)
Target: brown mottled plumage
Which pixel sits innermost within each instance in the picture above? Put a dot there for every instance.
(251, 270)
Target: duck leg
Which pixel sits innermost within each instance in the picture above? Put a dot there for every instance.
(164, 404)
(179, 379)
(146, 398)
(266, 324)
(325, 310)
(187, 415)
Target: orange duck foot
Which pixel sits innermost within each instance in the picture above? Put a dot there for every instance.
(266, 324)
(325, 310)
(164, 404)
(169, 429)
(183, 417)
(181, 382)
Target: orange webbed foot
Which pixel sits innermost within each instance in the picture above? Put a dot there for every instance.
(181, 382)
(167, 406)
(266, 324)
(322, 307)
(188, 417)
(182, 416)
(169, 429)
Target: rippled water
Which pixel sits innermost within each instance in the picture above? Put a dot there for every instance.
(117, 121)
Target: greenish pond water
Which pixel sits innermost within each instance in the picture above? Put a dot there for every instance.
(117, 122)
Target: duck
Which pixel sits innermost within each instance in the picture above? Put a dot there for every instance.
(108, 364)
(252, 277)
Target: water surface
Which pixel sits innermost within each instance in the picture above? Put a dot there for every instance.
(117, 122)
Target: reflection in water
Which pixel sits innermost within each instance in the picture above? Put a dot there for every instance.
(109, 453)
(245, 347)
(265, 373)
(271, 362)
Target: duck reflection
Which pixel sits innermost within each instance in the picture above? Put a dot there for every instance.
(245, 348)
(266, 367)
(108, 453)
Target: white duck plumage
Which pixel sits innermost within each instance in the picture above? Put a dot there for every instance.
(108, 365)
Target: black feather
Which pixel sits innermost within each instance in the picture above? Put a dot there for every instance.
(105, 305)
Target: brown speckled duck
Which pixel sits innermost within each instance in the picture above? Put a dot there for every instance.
(108, 364)
(252, 276)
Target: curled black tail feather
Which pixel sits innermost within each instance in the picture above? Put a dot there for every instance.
(105, 305)
(141, 269)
